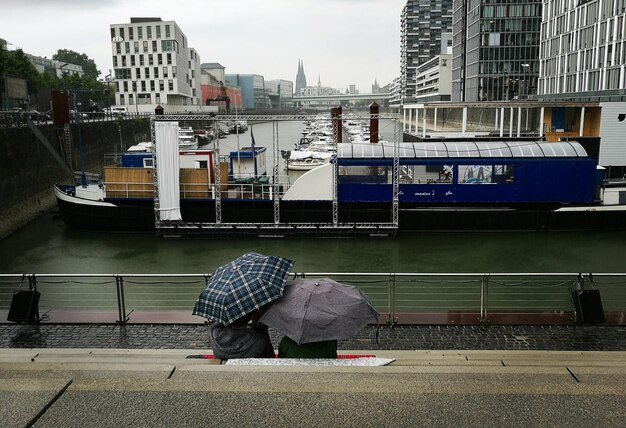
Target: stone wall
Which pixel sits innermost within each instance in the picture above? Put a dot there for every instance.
(28, 170)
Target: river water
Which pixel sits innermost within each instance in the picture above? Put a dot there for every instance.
(48, 246)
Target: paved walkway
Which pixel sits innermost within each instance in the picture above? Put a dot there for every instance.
(139, 336)
(161, 388)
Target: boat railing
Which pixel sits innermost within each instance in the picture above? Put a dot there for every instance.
(403, 298)
(255, 190)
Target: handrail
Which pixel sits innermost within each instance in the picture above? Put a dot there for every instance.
(398, 295)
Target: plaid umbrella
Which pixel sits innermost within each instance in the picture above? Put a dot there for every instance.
(312, 310)
(241, 286)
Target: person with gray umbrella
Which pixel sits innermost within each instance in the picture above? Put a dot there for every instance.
(313, 314)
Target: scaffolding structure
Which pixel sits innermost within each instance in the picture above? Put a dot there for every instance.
(277, 228)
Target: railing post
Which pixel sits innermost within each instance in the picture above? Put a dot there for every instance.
(484, 299)
(121, 304)
(391, 320)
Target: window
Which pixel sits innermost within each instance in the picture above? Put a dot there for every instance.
(118, 48)
(130, 33)
(140, 33)
(146, 72)
(143, 86)
(112, 33)
(126, 47)
(122, 99)
(141, 60)
(150, 59)
(156, 71)
(170, 85)
(132, 60)
(161, 85)
(169, 45)
(158, 31)
(125, 85)
(160, 59)
(167, 31)
(174, 71)
(114, 61)
(169, 59)
(154, 46)
(122, 73)
(165, 71)
(486, 174)
(152, 86)
(122, 33)
(149, 31)
(124, 61)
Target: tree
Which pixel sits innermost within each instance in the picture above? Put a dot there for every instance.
(88, 64)
(15, 63)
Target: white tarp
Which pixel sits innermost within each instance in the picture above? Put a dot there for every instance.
(349, 362)
(168, 170)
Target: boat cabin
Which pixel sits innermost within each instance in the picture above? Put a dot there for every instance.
(248, 162)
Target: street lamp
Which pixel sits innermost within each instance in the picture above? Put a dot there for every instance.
(525, 70)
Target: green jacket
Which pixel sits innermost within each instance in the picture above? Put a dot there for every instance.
(290, 349)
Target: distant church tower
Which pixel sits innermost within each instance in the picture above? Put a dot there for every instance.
(300, 78)
(375, 87)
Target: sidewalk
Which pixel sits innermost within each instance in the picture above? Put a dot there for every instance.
(180, 336)
(159, 388)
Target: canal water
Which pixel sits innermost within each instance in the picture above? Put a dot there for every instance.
(48, 246)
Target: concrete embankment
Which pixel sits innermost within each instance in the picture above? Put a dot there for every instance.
(28, 170)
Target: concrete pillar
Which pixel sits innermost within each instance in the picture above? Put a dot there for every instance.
(374, 111)
(541, 122)
(519, 122)
(424, 122)
(495, 126)
(502, 121)
(417, 118)
(435, 120)
(582, 122)
(335, 112)
(403, 120)
(410, 120)
(511, 122)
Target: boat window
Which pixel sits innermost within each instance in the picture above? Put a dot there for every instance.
(366, 174)
(429, 174)
(486, 174)
(148, 163)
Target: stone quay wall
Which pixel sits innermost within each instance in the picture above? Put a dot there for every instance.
(28, 171)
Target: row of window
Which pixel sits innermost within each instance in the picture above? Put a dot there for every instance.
(123, 31)
(599, 80)
(434, 174)
(166, 46)
(127, 73)
(589, 59)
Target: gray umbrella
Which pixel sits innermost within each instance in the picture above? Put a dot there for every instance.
(312, 310)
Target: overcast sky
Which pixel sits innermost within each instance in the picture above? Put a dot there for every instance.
(343, 41)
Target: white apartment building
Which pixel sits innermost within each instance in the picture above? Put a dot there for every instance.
(433, 79)
(154, 65)
(583, 50)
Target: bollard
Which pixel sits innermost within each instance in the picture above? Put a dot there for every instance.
(374, 111)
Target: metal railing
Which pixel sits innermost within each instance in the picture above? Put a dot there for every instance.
(408, 298)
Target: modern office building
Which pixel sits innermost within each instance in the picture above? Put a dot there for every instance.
(280, 93)
(423, 22)
(583, 51)
(495, 49)
(154, 65)
(434, 79)
(253, 92)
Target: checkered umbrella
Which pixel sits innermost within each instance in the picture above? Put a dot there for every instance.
(241, 286)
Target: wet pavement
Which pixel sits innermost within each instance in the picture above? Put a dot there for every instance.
(422, 337)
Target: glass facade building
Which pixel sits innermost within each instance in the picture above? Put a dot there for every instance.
(583, 50)
(495, 49)
(423, 23)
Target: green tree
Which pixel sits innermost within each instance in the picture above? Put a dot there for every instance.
(15, 63)
(88, 64)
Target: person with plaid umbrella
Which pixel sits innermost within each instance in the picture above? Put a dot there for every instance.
(234, 298)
